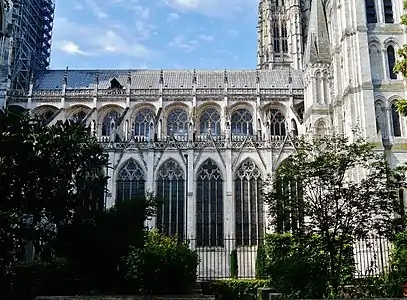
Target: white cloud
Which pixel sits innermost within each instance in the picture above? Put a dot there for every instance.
(173, 17)
(179, 41)
(97, 40)
(96, 9)
(218, 8)
(70, 47)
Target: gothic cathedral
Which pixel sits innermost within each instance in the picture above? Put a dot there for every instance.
(205, 141)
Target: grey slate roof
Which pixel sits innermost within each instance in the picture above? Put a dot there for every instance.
(177, 79)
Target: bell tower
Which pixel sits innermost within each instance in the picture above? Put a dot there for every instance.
(279, 34)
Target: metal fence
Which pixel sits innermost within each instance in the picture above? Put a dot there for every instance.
(371, 258)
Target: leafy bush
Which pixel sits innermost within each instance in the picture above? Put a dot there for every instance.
(261, 263)
(299, 266)
(234, 267)
(87, 242)
(45, 279)
(234, 289)
(164, 266)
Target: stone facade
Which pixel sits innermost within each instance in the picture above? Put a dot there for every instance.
(205, 141)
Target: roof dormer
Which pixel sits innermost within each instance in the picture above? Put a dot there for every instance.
(115, 84)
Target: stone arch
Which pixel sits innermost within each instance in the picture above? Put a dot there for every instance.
(163, 161)
(75, 110)
(381, 117)
(177, 117)
(208, 115)
(130, 180)
(170, 184)
(136, 108)
(209, 205)
(108, 115)
(241, 105)
(43, 109)
(396, 123)
(321, 127)
(275, 117)
(289, 216)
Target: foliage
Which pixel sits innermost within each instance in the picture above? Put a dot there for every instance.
(234, 289)
(319, 184)
(87, 242)
(401, 67)
(261, 262)
(234, 266)
(49, 174)
(165, 265)
(45, 279)
(298, 265)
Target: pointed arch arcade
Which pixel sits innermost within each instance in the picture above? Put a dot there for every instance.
(249, 206)
(130, 181)
(209, 205)
(171, 191)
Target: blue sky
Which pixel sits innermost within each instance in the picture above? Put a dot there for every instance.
(155, 34)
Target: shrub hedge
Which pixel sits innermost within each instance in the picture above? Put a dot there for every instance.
(165, 265)
(234, 289)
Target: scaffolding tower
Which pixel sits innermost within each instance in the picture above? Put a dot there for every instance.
(32, 34)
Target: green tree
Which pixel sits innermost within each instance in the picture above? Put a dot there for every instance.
(48, 175)
(401, 67)
(348, 191)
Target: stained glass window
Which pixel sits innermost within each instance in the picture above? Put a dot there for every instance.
(109, 122)
(277, 122)
(395, 120)
(249, 207)
(142, 122)
(78, 116)
(209, 197)
(242, 122)
(171, 191)
(210, 119)
(130, 181)
(177, 122)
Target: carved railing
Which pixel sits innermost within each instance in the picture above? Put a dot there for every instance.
(199, 142)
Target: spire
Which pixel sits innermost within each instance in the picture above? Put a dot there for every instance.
(318, 47)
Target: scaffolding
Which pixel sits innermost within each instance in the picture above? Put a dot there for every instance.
(32, 34)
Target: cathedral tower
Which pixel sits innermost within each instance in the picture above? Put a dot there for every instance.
(279, 34)
(317, 63)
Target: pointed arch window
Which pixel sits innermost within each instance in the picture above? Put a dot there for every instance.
(130, 181)
(210, 121)
(320, 129)
(109, 122)
(209, 198)
(276, 37)
(242, 122)
(171, 191)
(388, 11)
(395, 116)
(289, 208)
(276, 121)
(381, 119)
(371, 15)
(78, 116)
(284, 37)
(249, 206)
(143, 122)
(391, 58)
(177, 122)
(47, 114)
